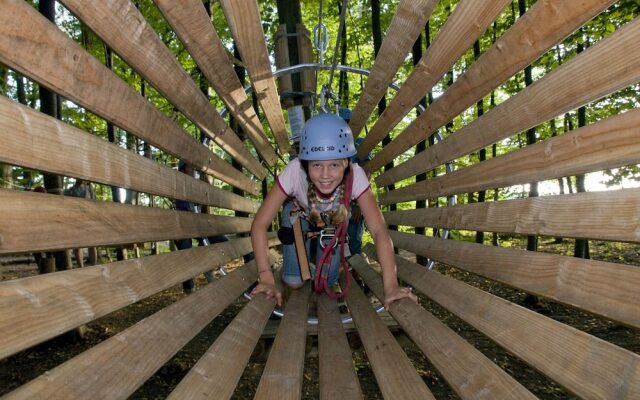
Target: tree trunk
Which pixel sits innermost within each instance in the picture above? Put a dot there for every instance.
(420, 147)
(382, 104)
(482, 154)
(581, 249)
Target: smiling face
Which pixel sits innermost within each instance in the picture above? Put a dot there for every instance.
(326, 175)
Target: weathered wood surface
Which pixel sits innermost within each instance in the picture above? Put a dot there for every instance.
(603, 69)
(469, 373)
(115, 368)
(610, 143)
(396, 376)
(407, 23)
(63, 222)
(246, 26)
(603, 288)
(468, 21)
(35, 47)
(38, 308)
(282, 375)
(585, 365)
(29, 138)
(120, 25)
(218, 371)
(338, 379)
(602, 215)
(190, 21)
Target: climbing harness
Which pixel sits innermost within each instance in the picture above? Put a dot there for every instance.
(321, 280)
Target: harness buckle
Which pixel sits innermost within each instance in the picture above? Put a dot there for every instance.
(326, 235)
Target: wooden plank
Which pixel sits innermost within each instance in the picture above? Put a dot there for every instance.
(63, 222)
(41, 307)
(120, 25)
(33, 46)
(282, 375)
(544, 24)
(28, 140)
(244, 21)
(396, 376)
(587, 366)
(468, 21)
(406, 25)
(466, 370)
(338, 378)
(610, 143)
(603, 215)
(606, 289)
(218, 371)
(192, 24)
(115, 368)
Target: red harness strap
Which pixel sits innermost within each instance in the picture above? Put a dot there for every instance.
(322, 270)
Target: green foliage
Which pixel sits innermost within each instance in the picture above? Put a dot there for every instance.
(360, 54)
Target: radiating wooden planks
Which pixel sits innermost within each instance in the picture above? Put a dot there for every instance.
(124, 29)
(468, 21)
(609, 143)
(218, 371)
(338, 377)
(587, 366)
(35, 47)
(603, 288)
(192, 24)
(407, 23)
(396, 376)
(115, 368)
(602, 215)
(471, 374)
(543, 25)
(282, 376)
(29, 138)
(38, 308)
(244, 21)
(65, 222)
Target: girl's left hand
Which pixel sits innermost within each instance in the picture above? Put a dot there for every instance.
(398, 293)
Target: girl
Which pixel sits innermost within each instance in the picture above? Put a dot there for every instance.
(315, 183)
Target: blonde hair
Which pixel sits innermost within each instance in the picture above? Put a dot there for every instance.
(338, 216)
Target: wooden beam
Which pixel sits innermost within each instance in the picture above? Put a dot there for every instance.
(609, 143)
(30, 137)
(468, 21)
(33, 46)
(192, 24)
(587, 366)
(244, 21)
(63, 222)
(602, 288)
(282, 376)
(406, 25)
(396, 376)
(467, 371)
(121, 26)
(218, 371)
(68, 299)
(116, 367)
(543, 25)
(603, 215)
(338, 378)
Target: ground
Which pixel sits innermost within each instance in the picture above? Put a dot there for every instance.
(22, 367)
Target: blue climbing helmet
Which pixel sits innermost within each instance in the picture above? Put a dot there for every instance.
(326, 137)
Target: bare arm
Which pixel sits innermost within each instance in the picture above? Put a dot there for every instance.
(265, 215)
(384, 249)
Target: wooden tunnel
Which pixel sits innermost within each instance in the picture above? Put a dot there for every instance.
(36, 309)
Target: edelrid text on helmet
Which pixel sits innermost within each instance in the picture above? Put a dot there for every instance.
(326, 137)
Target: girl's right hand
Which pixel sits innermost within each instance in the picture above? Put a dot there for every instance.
(270, 291)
